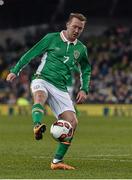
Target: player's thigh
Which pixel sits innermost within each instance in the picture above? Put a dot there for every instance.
(59, 102)
(39, 91)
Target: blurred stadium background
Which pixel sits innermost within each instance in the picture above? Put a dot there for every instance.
(108, 36)
(102, 147)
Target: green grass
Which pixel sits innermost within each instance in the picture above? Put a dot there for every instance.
(102, 148)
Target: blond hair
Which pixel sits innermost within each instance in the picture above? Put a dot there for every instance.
(79, 16)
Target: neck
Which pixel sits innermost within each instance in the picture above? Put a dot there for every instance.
(65, 34)
(67, 37)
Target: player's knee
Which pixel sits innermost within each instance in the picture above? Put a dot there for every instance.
(71, 118)
(74, 122)
(40, 97)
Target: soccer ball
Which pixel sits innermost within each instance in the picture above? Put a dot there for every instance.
(61, 130)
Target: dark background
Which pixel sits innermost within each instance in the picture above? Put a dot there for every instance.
(108, 37)
(18, 13)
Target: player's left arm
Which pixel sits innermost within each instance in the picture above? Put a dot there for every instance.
(85, 75)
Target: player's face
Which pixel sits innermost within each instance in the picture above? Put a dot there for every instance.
(74, 28)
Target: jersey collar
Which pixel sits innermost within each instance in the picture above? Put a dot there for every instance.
(66, 40)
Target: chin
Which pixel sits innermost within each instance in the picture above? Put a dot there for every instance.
(73, 39)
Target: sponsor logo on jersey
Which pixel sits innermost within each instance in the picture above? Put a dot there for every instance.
(76, 54)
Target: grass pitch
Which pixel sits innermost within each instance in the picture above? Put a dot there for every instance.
(102, 148)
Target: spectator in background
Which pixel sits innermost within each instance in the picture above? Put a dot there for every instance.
(11, 103)
(23, 104)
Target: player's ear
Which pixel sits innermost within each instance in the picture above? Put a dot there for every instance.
(67, 24)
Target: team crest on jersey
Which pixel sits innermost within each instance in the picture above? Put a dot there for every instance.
(76, 54)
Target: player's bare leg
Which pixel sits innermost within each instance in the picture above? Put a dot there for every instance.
(37, 113)
(62, 148)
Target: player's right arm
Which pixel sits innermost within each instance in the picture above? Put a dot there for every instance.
(35, 51)
(11, 77)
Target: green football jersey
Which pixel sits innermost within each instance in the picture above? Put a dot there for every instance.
(58, 60)
(71, 80)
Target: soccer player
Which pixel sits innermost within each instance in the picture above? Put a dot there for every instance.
(61, 51)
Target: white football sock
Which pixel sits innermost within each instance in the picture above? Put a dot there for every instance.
(56, 160)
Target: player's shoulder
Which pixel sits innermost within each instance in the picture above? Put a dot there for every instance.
(81, 45)
(53, 34)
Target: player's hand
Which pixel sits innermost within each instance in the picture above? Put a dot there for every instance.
(81, 97)
(11, 77)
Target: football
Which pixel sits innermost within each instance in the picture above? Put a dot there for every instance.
(61, 130)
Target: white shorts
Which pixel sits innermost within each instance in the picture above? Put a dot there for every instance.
(59, 101)
(70, 91)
